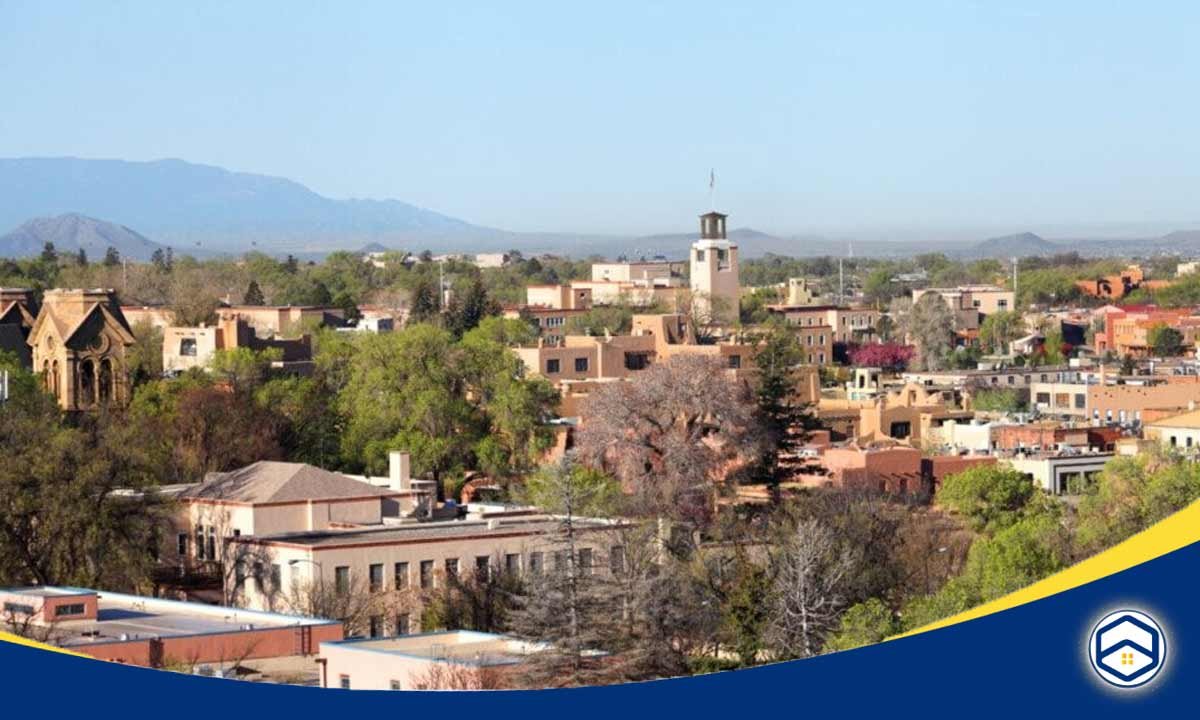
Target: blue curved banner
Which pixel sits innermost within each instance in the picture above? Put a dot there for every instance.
(1033, 660)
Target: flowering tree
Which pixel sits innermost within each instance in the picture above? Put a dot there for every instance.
(890, 355)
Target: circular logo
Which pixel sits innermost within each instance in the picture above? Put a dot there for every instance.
(1127, 648)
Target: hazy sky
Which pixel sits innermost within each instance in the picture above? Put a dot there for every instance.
(832, 116)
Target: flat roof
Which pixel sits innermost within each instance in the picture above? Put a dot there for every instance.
(121, 617)
(422, 531)
(465, 647)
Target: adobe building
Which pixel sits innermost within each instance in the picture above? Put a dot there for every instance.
(714, 269)
(158, 633)
(17, 316)
(1115, 287)
(184, 348)
(79, 344)
(286, 320)
(971, 303)
(845, 324)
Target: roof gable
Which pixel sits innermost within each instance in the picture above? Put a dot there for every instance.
(279, 482)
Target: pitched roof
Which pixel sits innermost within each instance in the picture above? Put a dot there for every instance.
(273, 482)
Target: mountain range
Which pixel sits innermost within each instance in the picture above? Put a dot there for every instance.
(73, 232)
(204, 210)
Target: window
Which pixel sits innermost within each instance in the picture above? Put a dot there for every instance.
(187, 347)
(481, 567)
(212, 543)
(512, 563)
(452, 567)
(1043, 398)
(821, 358)
(375, 626)
(581, 364)
(77, 608)
(341, 579)
(536, 561)
(199, 542)
(900, 430)
(395, 684)
(1002, 304)
(636, 361)
(18, 608)
(400, 575)
(735, 361)
(699, 256)
(181, 544)
(344, 682)
(553, 365)
(402, 621)
(808, 340)
(426, 574)
(276, 576)
(560, 561)
(375, 577)
(239, 574)
(1012, 380)
(1080, 401)
(585, 561)
(616, 560)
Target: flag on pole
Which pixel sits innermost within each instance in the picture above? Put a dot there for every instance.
(712, 179)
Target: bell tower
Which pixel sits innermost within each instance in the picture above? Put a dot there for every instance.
(714, 270)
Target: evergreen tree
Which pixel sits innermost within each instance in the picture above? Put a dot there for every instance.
(254, 294)
(49, 254)
(112, 258)
(81, 258)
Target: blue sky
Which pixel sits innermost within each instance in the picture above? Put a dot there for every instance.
(836, 117)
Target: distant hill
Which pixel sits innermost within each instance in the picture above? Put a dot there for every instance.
(72, 232)
(188, 206)
(1024, 244)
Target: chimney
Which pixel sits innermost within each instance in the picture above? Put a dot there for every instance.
(399, 471)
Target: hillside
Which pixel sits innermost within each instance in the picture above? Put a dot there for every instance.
(1024, 244)
(72, 232)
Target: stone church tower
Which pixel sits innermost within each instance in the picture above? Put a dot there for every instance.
(79, 344)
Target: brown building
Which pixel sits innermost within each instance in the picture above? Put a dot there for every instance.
(79, 342)
(846, 324)
(17, 316)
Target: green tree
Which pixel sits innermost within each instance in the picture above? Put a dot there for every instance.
(999, 329)
(425, 301)
(254, 294)
(1165, 341)
(49, 254)
(989, 496)
(777, 357)
(112, 258)
(866, 623)
(997, 400)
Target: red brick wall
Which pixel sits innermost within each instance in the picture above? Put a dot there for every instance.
(215, 647)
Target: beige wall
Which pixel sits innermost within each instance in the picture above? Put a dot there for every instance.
(713, 277)
(207, 342)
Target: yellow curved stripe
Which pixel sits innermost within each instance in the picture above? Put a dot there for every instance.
(18, 640)
(1170, 534)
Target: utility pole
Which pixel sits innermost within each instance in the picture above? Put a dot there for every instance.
(441, 284)
(1014, 262)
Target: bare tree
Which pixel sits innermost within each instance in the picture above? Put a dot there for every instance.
(457, 676)
(812, 569)
(672, 434)
(353, 605)
(930, 327)
(25, 623)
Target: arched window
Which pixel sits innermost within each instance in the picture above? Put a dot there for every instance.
(106, 380)
(47, 378)
(87, 383)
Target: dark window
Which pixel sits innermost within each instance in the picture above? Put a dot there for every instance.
(735, 361)
(375, 577)
(276, 576)
(375, 626)
(401, 575)
(426, 574)
(187, 347)
(1080, 401)
(200, 542)
(1043, 398)
(616, 560)
(68, 610)
(553, 366)
(636, 361)
(341, 579)
(581, 364)
(395, 684)
(18, 608)
(585, 561)
(560, 561)
(452, 567)
(512, 564)
(536, 561)
(181, 544)
(901, 430)
(344, 682)
(481, 567)
(402, 624)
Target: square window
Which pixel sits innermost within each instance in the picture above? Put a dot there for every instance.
(344, 682)
(735, 361)
(553, 366)
(187, 347)
(581, 364)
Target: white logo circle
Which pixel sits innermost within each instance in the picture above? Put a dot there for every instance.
(1127, 648)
